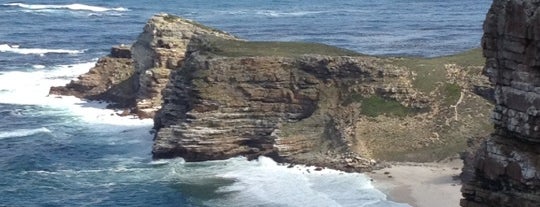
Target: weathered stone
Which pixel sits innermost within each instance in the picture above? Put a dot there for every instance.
(282, 107)
(504, 169)
(109, 80)
(160, 48)
(134, 76)
(121, 51)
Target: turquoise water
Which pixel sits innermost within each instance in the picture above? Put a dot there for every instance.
(68, 152)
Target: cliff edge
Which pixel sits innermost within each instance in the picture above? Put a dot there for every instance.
(504, 169)
(314, 104)
(132, 77)
(214, 96)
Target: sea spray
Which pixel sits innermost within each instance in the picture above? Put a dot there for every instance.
(35, 51)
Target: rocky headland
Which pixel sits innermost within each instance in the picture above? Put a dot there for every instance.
(504, 169)
(214, 96)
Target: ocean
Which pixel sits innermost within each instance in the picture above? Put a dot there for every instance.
(69, 152)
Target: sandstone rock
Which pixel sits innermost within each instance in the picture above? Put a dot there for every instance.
(504, 170)
(134, 76)
(159, 49)
(289, 108)
(110, 80)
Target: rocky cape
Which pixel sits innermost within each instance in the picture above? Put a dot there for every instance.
(214, 96)
(504, 169)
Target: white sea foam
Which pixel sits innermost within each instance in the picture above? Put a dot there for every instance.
(32, 88)
(74, 7)
(23, 132)
(272, 13)
(38, 51)
(269, 184)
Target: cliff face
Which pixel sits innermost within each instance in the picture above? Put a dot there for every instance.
(297, 102)
(134, 77)
(110, 79)
(159, 49)
(294, 109)
(504, 171)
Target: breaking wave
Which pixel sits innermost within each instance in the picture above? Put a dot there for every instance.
(35, 51)
(74, 7)
(23, 132)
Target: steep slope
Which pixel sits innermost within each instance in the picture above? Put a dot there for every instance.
(297, 102)
(504, 169)
(306, 103)
(134, 77)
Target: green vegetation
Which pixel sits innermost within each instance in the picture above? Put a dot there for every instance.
(171, 18)
(235, 48)
(432, 153)
(451, 93)
(431, 71)
(375, 105)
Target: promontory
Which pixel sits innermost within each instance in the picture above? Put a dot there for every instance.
(213, 95)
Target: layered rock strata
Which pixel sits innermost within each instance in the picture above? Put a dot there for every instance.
(159, 49)
(133, 77)
(296, 102)
(504, 171)
(292, 109)
(110, 79)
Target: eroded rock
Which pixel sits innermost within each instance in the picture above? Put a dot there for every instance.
(289, 108)
(504, 171)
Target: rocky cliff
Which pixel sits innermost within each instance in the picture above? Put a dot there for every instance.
(159, 49)
(504, 169)
(133, 77)
(110, 79)
(218, 107)
(296, 102)
(304, 103)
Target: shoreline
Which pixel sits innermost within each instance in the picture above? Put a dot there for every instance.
(421, 184)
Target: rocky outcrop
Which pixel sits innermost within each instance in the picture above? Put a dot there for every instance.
(159, 49)
(297, 102)
(293, 109)
(110, 79)
(505, 169)
(134, 77)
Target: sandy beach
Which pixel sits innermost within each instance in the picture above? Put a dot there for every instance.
(421, 184)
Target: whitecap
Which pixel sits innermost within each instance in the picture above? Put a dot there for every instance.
(23, 132)
(36, 51)
(37, 66)
(73, 7)
(32, 88)
(270, 184)
(271, 13)
(159, 162)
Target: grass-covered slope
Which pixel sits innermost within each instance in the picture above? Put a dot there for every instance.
(388, 130)
(456, 115)
(388, 127)
(238, 48)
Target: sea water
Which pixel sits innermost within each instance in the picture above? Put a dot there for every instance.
(62, 151)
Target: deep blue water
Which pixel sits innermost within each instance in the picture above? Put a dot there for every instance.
(67, 152)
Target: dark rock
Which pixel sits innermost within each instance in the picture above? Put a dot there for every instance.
(110, 80)
(503, 170)
(221, 107)
(121, 51)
